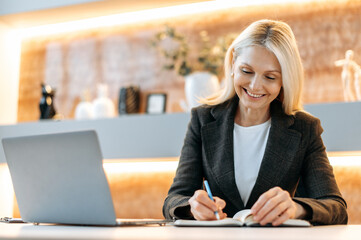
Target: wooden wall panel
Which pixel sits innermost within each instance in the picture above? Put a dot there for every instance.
(122, 55)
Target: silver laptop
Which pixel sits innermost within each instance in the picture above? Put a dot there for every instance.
(59, 178)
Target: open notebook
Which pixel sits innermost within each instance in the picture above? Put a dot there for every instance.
(59, 178)
(241, 219)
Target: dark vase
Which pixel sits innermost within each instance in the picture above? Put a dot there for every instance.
(128, 100)
(47, 110)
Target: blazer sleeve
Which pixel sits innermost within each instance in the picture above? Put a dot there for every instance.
(189, 174)
(322, 198)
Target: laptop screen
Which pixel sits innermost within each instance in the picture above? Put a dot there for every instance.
(59, 178)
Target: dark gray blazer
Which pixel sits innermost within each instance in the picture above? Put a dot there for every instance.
(295, 157)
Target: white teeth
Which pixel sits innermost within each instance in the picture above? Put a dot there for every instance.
(254, 95)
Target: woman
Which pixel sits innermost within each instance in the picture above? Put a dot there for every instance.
(254, 144)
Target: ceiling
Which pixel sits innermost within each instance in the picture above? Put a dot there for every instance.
(84, 10)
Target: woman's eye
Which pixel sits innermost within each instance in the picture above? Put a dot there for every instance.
(271, 78)
(246, 72)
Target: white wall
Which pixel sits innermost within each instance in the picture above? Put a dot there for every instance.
(6, 192)
(9, 74)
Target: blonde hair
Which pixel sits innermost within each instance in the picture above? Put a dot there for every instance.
(277, 37)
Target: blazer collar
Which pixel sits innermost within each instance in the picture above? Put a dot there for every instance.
(217, 136)
(227, 110)
(281, 148)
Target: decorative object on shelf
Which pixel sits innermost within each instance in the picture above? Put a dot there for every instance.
(211, 56)
(201, 78)
(103, 107)
(47, 109)
(199, 85)
(175, 49)
(84, 110)
(156, 103)
(129, 100)
(350, 76)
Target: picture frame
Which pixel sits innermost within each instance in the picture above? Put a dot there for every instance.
(156, 103)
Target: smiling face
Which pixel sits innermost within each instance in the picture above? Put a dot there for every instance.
(257, 78)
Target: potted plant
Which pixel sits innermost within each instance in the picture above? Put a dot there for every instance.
(201, 78)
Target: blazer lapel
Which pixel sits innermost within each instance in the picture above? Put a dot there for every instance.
(280, 151)
(217, 137)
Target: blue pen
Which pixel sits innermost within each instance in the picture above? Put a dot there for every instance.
(211, 197)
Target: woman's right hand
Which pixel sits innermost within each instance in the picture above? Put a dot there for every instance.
(203, 208)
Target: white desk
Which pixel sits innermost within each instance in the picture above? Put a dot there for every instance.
(29, 231)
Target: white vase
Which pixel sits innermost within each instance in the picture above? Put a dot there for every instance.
(199, 85)
(103, 107)
(84, 110)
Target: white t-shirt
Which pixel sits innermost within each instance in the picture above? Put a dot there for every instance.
(249, 144)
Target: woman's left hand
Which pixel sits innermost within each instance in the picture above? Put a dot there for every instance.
(276, 206)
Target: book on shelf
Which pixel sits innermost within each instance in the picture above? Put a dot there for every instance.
(242, 218)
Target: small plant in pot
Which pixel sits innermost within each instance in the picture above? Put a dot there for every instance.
(201, 77)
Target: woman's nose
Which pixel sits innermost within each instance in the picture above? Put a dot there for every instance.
(256, 82)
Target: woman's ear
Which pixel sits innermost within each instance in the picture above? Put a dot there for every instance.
(233, 58)
(232, 67)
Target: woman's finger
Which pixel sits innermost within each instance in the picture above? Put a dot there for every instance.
(265, 203)
(202, 207)
(201, 212)
(283, 217)
(275, 203)
(274, 213)
(202, 197)
(262, 200)
(221, 204)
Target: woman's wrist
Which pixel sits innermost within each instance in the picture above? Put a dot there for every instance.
(301, 212)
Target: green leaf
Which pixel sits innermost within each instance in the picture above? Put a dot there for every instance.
(169, 66)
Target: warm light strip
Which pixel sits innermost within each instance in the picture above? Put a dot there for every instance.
(350, 158)
(171, 164)
(11, 56)
(143, 167)
(344, 154)
(142, 16)
(6, 191)
(124, 160)
(345, 161)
